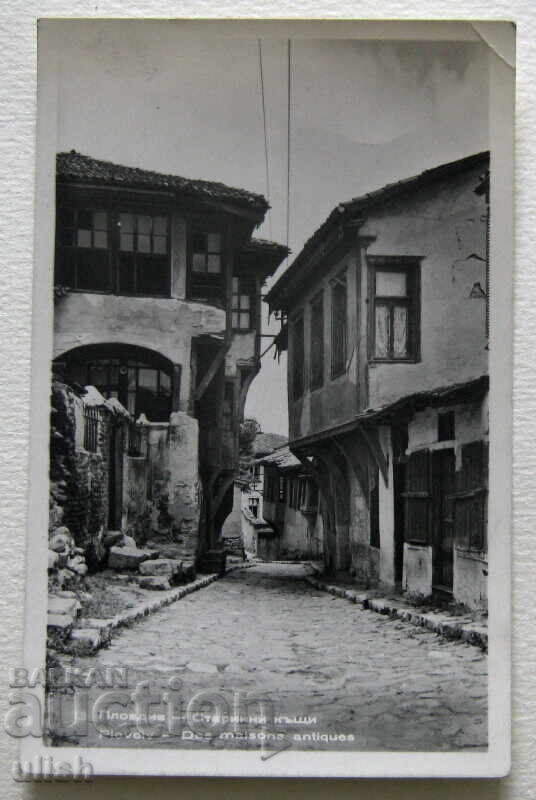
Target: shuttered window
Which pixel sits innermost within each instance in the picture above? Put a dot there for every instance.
(417, 498)
(317, 341)
(339, 325)
(298, 355)
(470, 499)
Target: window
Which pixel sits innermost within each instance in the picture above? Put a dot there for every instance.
(83, 249)
(253, 504)
(91, 428)
(206, 268)
(143, 254)
(317, 341)
(394, 307)
(141, 387)
(206, 253)
(282, 489)
(298, 356)
(242, 302)
(445, 426)
(100, 250)
(339, 332)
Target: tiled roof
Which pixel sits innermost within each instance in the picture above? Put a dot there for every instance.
(281, 458)
(359, 205)
(260, 245)
(74, 167)
(265, 443)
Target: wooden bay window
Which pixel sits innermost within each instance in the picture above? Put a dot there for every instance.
(113, 250)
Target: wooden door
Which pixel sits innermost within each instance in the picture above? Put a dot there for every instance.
(443, 469)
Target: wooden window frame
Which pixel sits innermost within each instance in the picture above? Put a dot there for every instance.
(409, 266)
(339, 328)
(316, 340)
(113, 210)
(236, 301)
(214, 284)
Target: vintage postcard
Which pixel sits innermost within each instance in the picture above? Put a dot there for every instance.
(270, 508)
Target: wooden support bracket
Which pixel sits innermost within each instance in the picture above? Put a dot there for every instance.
(372, 440)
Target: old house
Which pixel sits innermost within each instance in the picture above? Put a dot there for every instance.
(157, 305)
(245, 524)
(385, 312)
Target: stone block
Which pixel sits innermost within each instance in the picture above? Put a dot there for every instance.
(53, 559)
(112, 537)
(61, 540)
(155, 582)
(104, 626)
(127, 541)
(77, 564)
(161, 566)
(61, 621)
(128, 558)
(188, 570)
(87, 640)
(63, 605)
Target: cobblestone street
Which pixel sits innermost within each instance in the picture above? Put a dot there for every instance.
(339, 677)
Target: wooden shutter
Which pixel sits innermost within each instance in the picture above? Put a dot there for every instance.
(470, 498)
(418, 517)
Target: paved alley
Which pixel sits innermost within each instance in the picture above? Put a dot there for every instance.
(330, 675)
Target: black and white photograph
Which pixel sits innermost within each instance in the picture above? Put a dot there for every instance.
(265, 528)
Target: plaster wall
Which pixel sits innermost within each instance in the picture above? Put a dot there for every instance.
(470, 579)
(298, 535)
(231, 532)
(387, 514)
(242, 349)
(417, 574)
(336, 399)
(165, 325)
(445, 225)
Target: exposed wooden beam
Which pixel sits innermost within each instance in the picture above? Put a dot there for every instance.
(372, 439)
(212, 370)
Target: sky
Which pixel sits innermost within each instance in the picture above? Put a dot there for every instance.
(363, 113)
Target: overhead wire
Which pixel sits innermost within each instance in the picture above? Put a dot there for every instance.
(289, 102)
(266, 157)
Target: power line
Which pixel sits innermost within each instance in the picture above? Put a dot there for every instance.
(289, 84)
(266, 162)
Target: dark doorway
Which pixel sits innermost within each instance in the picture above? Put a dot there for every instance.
(443, 469)
(399, 481)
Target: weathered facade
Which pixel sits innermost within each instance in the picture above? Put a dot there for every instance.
(159, 309)
(385, 313)
(291, 505)
(245, 524)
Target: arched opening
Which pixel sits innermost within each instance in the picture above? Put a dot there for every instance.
(141, 379)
